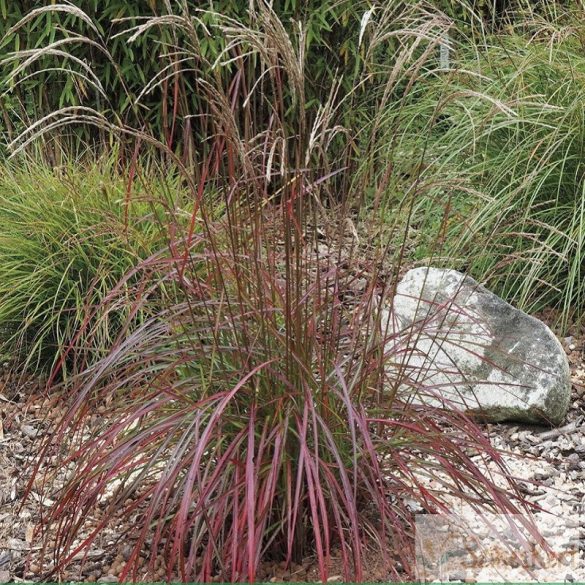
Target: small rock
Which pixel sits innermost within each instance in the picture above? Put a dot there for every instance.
(17, 544)
(542, 475)
(5, 576)
(573, 461)
(29, 431)
(532, 438)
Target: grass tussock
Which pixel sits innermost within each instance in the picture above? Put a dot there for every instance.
(505, 155)
(70, 236)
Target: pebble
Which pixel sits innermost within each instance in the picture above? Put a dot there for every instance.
(29, 431)
(574, 461)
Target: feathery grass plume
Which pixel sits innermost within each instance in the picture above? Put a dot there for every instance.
(507, 122)
(126, 68)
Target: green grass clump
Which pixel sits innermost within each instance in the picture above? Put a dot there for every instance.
(506, 132)
(67, 239)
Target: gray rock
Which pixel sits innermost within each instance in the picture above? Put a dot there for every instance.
(454, 344)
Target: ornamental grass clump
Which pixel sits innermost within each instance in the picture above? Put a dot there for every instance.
(251, 419)
(506, 121)
(69, 235)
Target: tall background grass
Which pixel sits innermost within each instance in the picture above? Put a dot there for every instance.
(506, 122)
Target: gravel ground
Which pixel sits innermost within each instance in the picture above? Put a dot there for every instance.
(550, 462)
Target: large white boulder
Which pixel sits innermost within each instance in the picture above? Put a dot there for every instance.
(453, 343)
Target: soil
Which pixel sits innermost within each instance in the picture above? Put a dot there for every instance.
(552, 463)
